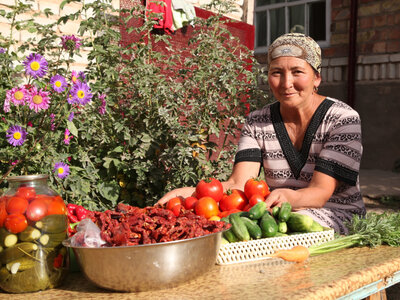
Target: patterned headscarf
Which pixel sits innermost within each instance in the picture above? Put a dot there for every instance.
(296, 45)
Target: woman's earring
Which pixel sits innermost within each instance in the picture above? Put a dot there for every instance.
(315, 89)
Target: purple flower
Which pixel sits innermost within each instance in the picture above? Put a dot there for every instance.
(102, 108)
(35, 65)
(61, 169)
(58, 83)
(52, 125)
(67, 137)
(39, 100)
(18, 96)
(80, 93)
(70, 42)
(2, 50)
(16, 135)
(74, 77)
(71, 116)
(82, 75)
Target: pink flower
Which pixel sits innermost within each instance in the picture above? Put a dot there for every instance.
(74, 77)
(70, 42)
(67, 137)
(17, 96)
(39, 100)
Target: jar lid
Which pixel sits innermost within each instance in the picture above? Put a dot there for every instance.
(27, 177)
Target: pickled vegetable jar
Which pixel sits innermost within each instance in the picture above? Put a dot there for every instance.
(33, 224)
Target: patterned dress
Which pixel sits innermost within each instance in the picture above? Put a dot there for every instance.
(331, 145)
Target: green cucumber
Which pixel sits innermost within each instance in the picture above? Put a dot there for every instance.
(275, 211)
(21, 264)
(17, 251)
(53, 223)
(225, 219)
(257, 211)
(284, 212)
(282, 227)
(224, 241)
(230, 236)
(238, 227)
(52, 240)
(7, 239)
(268, 225)
(279, 234)
(29, 234)
(315, 227)
(298, 222)
(252, 227)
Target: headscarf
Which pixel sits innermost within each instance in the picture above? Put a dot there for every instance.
(296, 45)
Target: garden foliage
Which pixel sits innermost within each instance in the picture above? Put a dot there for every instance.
(137, 122)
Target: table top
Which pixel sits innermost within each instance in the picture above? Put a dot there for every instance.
(326, 276)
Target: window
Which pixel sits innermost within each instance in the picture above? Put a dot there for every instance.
(273, 18)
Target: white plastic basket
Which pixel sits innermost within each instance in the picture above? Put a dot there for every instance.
(258, 249)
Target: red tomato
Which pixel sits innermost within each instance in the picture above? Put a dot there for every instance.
(176, 210)
(15, 223)
(17, 205)
(210, 188)
(190, 202)
(3, 211)
(56, 207)
(174, 201)
(255, 199)
(228, 212)
(255, 186)
(36, 210)
(45, 198)
(26, 192)
(206, 207)
(231, 201)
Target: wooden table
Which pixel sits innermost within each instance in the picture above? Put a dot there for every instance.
(346, 274)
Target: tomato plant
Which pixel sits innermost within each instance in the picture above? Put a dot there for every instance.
(26, 192)
(17, 205)
(210, 188)
(56, 207)
(255, 199)
(174, 201)
(256, 186)
(232, 200)
(206, 207)
(15, 223)
(190, 202)
(36, 210)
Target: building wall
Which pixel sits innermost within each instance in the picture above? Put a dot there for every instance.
(377, 74)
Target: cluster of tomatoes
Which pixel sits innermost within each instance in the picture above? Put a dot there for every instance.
(210, 200)
(25, 207)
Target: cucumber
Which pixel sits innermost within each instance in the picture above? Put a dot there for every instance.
(53, 223)
(315, 227)
(230, 236)
(282, 227)
(7, 239)
(252, 227)
(257, 211)
(238, 227)
(29, 234)
(224, 241)
(268, 225)
(225, 219)
(52, 240)
(298, 222)
(275, 211)
(245, 214)
(284, 212)
(17, 251)
(278, 234)
(20, 264)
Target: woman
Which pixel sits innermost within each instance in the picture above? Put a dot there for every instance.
(309, 145)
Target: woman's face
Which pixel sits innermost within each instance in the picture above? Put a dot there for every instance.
(292, 80)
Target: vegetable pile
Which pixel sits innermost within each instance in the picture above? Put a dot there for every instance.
(258, 223)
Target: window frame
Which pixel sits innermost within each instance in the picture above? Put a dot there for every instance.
(286, 5)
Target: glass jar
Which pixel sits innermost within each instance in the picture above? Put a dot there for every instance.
(33, 224)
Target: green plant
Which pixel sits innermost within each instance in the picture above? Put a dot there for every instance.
(168, 118)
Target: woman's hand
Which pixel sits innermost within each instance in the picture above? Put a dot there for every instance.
(182, 192)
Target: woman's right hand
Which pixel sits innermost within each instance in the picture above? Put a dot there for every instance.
(181, 192)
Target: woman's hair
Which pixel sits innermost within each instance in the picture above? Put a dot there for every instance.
(296, 45)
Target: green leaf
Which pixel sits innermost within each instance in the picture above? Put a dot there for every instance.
(72, 128)
(109, 190)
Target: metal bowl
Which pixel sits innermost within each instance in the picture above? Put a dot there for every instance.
(148, 267)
